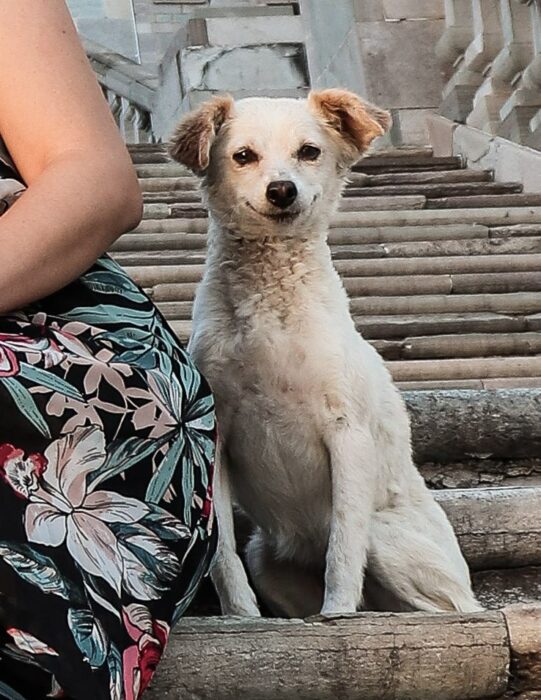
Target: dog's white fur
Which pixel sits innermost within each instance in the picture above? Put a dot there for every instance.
(314, 437)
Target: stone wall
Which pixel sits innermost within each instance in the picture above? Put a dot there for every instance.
(157, 22)
(397, 48)
(383, 49)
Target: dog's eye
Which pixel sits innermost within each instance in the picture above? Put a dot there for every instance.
(309, 152)
(245, 156)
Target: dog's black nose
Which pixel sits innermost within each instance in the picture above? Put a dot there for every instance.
(282, 193)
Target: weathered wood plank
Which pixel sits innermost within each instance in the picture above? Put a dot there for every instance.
(496, 527)
(524, 625)
(465, 368)
(448, 426)
(358, 657)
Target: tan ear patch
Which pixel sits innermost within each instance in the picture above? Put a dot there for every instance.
(358, 122)
(193, 137)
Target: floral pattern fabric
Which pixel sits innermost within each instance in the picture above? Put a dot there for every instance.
(107, 439)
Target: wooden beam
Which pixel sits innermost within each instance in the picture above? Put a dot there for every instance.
(359, 657)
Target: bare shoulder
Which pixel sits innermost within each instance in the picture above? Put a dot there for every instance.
(50, 101)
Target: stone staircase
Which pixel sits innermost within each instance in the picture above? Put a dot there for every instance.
(442, 264)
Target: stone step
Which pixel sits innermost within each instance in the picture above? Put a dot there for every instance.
(439, 265)
(344, 236)
(374, 327)
(491, 216)
(493, 384)
(466, 345)
(423, 177)
(426, 249)
(181, 202)
(179, 249)
(486, 200)
(524, 303)
(146, 238)
(176, 197)
(392, 197)
(347, 235)
(492, 246)
(170, 170)
(150, 275)
(439, 190)
(170, 184)
(385, 164)
(149, 157)
(517, 303)
(361, 185)
(465, 368)
(405, 326)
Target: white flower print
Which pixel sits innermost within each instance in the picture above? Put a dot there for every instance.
(63, 510)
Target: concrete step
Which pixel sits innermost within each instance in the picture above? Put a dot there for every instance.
(423, 177)
(523, 304)
(464, 345)
(405, 326)
(464, 182)
(518, 246)
(384, 163)
(485, 200)
(465, 368)
(150, 275)
(374, 327)
(435, 190)
(492, 216)
(367, 243)
(170, 235)
(441, 263)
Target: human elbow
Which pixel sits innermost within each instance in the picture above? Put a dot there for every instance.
(126, 210)
(133, 205)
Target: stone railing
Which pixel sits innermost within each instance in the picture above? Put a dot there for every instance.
(491, 53)
(129, 90)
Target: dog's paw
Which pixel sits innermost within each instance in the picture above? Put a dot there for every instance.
(241, 608)
(338, 607)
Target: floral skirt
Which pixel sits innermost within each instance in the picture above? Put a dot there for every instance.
(107, 437)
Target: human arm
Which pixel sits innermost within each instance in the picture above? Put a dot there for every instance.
(82, 188)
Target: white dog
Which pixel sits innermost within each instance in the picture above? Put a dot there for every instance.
(314, 437)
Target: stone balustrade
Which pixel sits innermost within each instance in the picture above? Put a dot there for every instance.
(490, 52)
(129, 90)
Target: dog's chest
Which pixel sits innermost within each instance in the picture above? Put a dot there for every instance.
(276, 394)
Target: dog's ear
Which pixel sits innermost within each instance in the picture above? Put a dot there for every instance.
(193, 137)
(358, 122)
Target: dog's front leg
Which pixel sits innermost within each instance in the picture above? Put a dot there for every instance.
(228, 573)
(353, 474)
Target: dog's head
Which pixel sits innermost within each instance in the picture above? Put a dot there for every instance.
(276, 166)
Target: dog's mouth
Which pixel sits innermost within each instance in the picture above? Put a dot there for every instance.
(282, 217)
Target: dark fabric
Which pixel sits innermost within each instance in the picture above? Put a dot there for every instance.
(106, 453)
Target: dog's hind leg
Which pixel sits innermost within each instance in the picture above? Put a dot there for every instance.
(414, 554)
(288, 589)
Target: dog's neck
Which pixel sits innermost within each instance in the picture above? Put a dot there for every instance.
(270, 271)
(287, 255)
